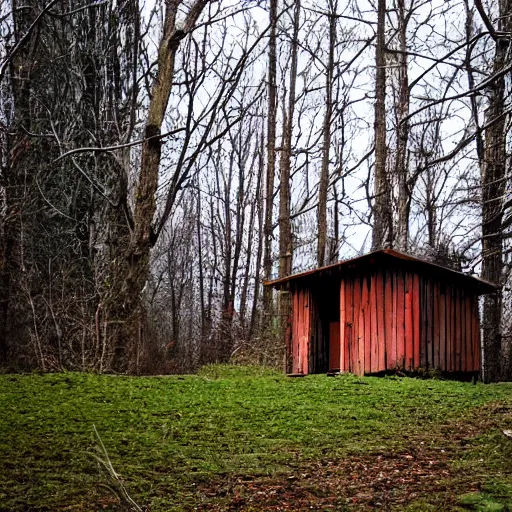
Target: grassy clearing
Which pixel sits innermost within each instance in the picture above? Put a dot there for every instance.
(230, 438)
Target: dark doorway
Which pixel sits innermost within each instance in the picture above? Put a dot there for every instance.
(326, 336)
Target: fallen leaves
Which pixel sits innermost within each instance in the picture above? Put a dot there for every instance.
(386, 480)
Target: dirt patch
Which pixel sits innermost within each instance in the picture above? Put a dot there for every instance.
(370, 481)
(386, 480)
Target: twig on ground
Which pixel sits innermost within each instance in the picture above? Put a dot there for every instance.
(118, 486)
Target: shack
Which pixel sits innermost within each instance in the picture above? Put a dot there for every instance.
(384, 311)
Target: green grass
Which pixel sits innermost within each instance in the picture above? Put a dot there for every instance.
(172, 437)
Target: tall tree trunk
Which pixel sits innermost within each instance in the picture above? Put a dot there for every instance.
(257, 278)
(225, 333)
(70, 263)
(206, 350)
(109, 233)
(470, 32)
(285, 225)
(271, 164)
(250, 241)
(16, 180)
(431, 209)
(201, 263)
(493, 189)
(9, 248)
(402, 164)
(324, 174)
(382, 223)
(142, 239)
(334, 252)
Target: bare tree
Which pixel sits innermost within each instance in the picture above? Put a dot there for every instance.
(382, 234)
(285, 225)
(494, 176)
(324, 175)
(402, 135)
(61, 253)
(271, 161)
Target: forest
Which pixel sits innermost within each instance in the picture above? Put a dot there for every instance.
(159, 161)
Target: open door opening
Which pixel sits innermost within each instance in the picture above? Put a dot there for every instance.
(327, 357)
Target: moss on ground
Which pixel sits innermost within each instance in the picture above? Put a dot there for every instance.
(208, 440)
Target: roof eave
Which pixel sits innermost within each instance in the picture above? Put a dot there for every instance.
(483, 287)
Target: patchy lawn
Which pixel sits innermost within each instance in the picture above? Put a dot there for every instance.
(236, 438)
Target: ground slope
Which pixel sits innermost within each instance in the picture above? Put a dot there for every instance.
(236, 438)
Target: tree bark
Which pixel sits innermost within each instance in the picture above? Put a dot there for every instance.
(259, 252)
(493, 189)
(17, 194)
(201, 263)
(402, 134)
(324, 174)
(285, 225)
(142, 238)
(258, 156)
(271, 164)
(382, 224)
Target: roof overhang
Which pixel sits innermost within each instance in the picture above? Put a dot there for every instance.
(384, 256)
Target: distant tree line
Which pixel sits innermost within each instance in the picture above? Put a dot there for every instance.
(160, 162)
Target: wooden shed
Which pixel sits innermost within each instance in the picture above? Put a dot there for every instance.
(385, 311)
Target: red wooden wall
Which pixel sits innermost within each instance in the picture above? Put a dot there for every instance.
(390, 319)
(301, 330)
(394, 320)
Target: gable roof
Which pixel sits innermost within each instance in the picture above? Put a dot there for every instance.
(383, 257)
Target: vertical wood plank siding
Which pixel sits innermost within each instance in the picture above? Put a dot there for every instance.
(295, 330)
(401, 320)
(428, 305)
(367, 367)
(389, 319)
(301, 329)
(448, 326)
(364, 327)
(349, 329)
(343, 327)
(469, 338)
(442, 326)
(400, 314)
(458, 333)
(374, 331)
(392, 360)
(381, 280)
(416, 322)
(315, 339)
(409, 324)
(300, 326)
(436, 339)
(476, 336)
(354, 352)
